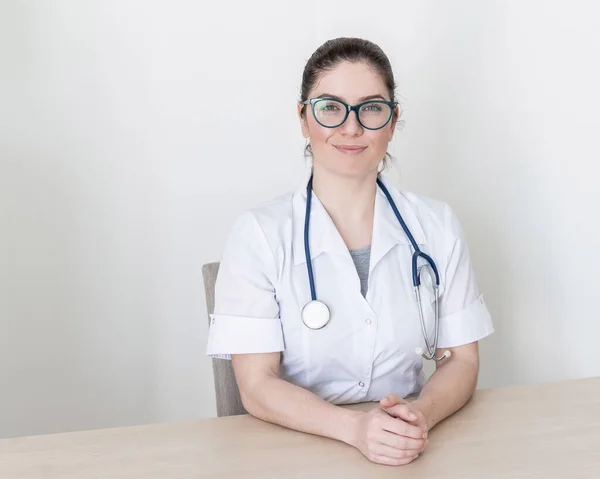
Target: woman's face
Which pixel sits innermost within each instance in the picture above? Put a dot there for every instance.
(349, 149)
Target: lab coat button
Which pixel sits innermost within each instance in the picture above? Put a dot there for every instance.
(368, 321)
(361, 384)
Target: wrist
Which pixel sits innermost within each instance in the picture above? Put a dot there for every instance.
(425, 405)
(350, 431)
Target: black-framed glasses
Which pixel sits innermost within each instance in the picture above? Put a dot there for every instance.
(371, 114)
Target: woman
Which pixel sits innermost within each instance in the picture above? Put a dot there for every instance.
(295, 365)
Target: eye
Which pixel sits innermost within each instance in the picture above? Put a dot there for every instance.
(372, 107)
(329, 106)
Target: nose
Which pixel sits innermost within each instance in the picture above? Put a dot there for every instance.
(351, 127)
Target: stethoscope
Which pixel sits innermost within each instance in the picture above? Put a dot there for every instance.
(315, 314)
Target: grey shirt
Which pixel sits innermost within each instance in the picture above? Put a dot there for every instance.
(362, 259)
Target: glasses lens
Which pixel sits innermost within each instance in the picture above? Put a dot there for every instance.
(374, 114)
(330, 113)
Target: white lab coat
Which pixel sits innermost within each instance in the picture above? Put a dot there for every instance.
(368, 347)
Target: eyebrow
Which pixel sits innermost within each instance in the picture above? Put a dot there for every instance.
(360, 100)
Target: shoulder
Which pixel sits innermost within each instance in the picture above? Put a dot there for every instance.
(425, 207)
(274, 212)
(269, 220)
(436, 217)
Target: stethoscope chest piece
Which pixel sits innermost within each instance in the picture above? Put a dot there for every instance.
(315, 314)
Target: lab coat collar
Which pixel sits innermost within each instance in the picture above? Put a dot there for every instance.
(325, 238)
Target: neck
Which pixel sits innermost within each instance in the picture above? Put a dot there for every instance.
(349, 201)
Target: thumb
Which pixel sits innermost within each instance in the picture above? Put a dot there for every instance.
(390, 400)
(396, 406)
(401, 411)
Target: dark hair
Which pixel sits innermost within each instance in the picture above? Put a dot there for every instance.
(332, 53)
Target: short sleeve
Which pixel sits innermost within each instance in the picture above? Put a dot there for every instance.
(464, 317)
(246, 314)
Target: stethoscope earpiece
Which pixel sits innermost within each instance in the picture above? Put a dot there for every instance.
(446, 354)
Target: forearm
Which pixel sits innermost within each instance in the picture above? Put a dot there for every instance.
(448, 389)
(277, 401)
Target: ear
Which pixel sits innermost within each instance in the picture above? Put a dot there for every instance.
(303, 121)
(394, 122)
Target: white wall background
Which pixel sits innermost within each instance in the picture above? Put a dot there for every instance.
(518, 156)
(133, 132)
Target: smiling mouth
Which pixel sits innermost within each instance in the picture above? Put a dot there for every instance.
(350, 149)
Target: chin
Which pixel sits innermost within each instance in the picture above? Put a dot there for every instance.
(352, 169)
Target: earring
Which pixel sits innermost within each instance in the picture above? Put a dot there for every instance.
(307, 149)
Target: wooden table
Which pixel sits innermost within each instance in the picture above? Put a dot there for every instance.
(545, 431)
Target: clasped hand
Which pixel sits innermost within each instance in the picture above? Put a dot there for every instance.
(393, 433)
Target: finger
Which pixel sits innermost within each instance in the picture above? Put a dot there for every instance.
(398, 426)
(390, 461)
(403, 411)
(391, 399)
(402, 443)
